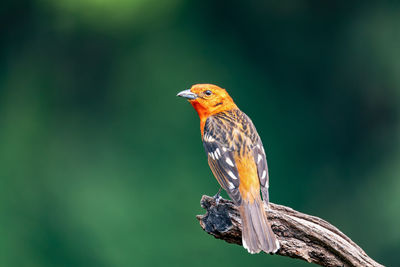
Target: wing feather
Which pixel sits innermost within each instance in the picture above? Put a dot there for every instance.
(258, 152)
(219, 150)
(262, 168)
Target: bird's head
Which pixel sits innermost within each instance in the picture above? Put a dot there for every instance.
(208, 99)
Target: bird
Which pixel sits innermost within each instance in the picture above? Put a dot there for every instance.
(237, 159)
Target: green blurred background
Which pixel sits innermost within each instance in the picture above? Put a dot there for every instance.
(102, 165)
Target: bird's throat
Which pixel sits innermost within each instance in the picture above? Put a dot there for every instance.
(203, 113)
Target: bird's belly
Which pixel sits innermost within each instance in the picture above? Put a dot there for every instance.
(249, 186)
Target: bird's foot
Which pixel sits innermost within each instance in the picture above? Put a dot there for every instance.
(217, 197)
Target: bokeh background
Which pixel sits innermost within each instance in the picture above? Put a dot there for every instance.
(102, 165)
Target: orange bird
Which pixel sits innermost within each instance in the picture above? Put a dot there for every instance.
(237, 159)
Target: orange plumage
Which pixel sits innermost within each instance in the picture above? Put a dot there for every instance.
(237, 159)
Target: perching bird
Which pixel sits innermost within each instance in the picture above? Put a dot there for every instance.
(237, 159)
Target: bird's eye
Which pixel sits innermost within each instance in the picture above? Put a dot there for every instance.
(208, 92)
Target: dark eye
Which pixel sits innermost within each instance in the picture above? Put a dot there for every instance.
(208, 92)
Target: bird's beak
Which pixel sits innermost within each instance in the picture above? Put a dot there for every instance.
(187, 94)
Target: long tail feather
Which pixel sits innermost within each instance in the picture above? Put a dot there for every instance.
(257, 234)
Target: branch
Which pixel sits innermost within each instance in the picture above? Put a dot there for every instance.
(301, 236)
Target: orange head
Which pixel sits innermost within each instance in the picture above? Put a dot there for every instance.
(207, 100)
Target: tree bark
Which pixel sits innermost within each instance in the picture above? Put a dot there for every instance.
(301, 236)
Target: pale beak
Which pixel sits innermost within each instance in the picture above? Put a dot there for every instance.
(187, 94)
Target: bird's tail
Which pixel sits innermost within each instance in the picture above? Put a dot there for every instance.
(257, 234)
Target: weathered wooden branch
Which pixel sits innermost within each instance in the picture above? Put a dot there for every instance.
(301, 236)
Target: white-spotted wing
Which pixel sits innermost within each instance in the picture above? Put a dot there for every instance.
(220, 157)
(262, 168)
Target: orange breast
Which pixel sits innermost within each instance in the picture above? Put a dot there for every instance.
(249, 183)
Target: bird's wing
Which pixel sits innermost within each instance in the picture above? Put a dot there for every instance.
(219, 149)
(262, 168)
(257, 149)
